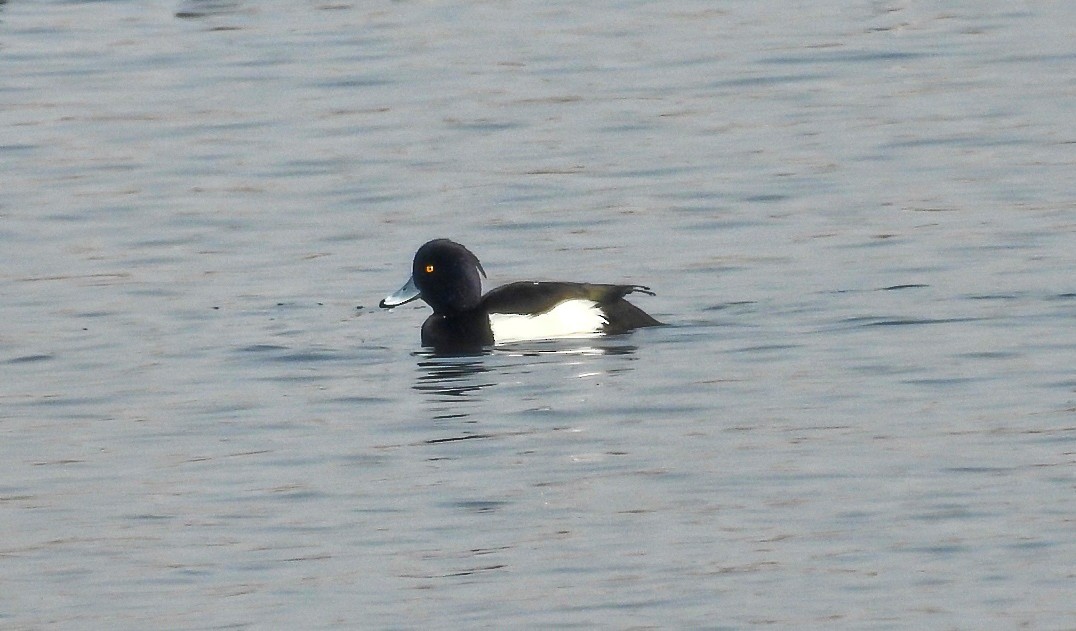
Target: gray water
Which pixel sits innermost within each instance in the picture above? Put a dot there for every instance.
(859, 219)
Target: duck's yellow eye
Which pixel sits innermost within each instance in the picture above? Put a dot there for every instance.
(429, 269)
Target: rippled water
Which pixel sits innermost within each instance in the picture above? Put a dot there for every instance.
(859, 219)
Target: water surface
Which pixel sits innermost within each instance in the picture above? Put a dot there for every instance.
(858, 218)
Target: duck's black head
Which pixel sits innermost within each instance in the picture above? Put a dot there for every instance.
(445, 275)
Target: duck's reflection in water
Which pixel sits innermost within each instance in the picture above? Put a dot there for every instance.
(195, 9)
(460, 389)
(464, 377)
(558, 348)
(451, 377)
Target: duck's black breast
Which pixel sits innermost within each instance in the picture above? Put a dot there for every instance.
(458, 331)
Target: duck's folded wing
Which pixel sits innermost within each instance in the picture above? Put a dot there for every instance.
(537, 297)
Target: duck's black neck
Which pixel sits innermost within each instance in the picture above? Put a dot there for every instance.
(463, 329)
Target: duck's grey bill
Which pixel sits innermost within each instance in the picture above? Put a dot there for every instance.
(406, 294)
